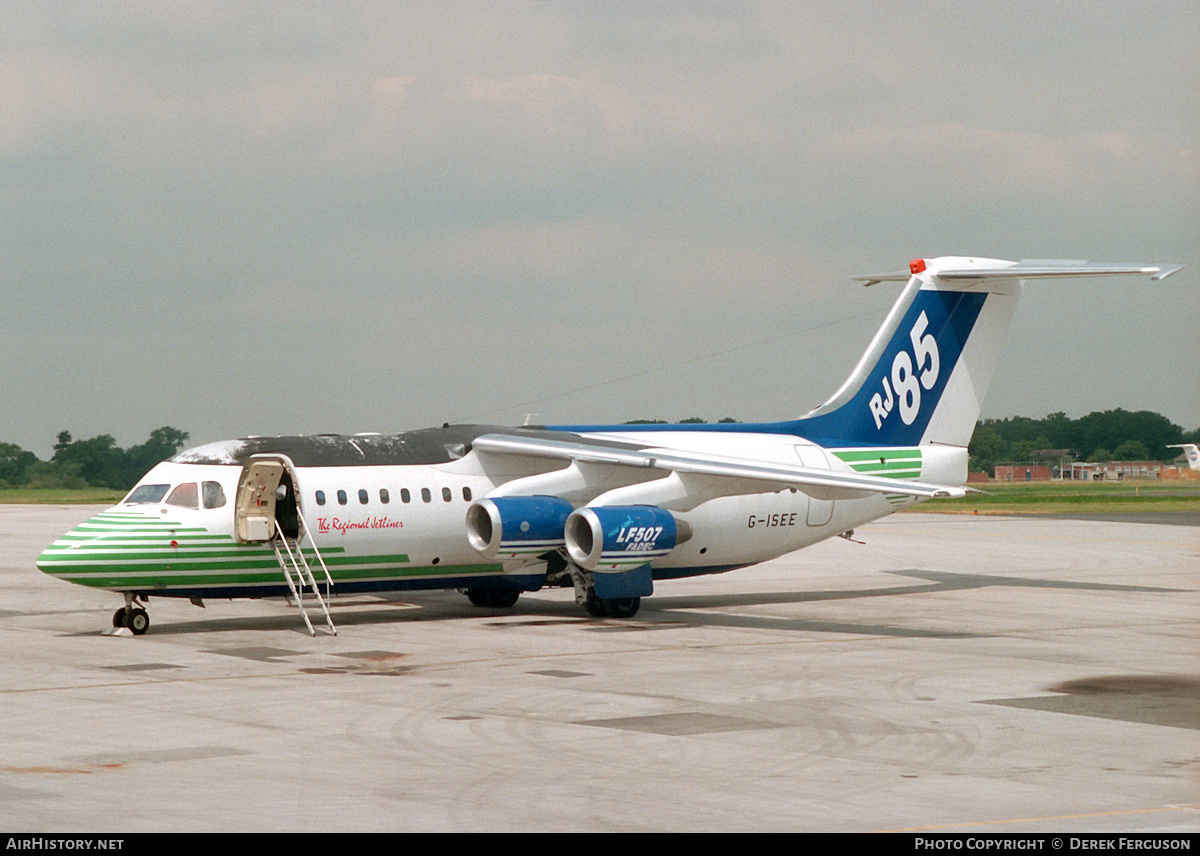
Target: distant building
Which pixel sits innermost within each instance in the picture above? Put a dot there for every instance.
(1022, 472)
(1044, 465)
(1117, 470)
(1179, 472)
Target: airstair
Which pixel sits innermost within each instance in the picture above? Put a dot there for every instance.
(297, 565)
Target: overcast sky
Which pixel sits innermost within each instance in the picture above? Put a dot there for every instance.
(256, 218)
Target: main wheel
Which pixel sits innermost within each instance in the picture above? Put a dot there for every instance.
(623, 607)
(479, 596)
(119, 617)
(493, 598)
(503, 598)
(595, 607)
(138, 621)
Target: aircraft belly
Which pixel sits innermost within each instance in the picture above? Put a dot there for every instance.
(734, 532)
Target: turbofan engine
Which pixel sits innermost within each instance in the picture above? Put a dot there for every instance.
(516, 527)
(621, 537)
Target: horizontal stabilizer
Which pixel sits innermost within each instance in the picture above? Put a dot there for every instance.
(1024, 269)
(1049, 269)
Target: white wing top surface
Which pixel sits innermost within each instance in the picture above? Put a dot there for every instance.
(772, 474)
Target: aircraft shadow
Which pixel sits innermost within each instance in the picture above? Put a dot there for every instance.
(660, 612)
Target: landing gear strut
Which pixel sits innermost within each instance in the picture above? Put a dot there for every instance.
(132, 616)
(600, 607)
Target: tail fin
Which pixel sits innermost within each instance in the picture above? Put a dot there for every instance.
(923, 379)
(1192, 452)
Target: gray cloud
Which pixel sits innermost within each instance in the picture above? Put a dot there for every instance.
(257, 218)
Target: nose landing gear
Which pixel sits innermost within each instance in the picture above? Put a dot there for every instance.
(131, 616)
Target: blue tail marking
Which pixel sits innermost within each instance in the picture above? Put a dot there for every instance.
(902, 390)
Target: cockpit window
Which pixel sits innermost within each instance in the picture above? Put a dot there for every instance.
(185, 496)
(214, 496)
(149, 493)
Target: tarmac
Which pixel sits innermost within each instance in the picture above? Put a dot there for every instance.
(955, 673)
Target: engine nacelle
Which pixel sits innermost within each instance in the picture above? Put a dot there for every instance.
(621, 537)
(517, 527)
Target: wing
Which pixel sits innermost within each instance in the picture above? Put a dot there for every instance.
(760, 476)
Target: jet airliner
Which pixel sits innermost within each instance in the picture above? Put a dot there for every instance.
(607, 510)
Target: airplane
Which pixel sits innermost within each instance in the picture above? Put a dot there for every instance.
(1192, 451)
(608, 510)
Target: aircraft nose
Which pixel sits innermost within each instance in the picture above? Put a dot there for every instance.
(69, 546)
(77, 554)
(122, 549)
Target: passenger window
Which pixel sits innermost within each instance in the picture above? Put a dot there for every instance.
(446, 495)
(362, 496)
(405, 496)
(214, 496)
(384, 497)
(185, 496)
(341, 497)
(467, 494)
(320, 497)
(425, 495)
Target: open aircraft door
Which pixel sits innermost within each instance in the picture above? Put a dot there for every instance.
(266, 500)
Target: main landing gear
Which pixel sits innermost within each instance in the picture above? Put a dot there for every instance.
(612, 607)
(132, 616)
(562, 572)
(596, 606)
(493, 597)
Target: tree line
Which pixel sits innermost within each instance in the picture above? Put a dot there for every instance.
(96, 462)
(1102, 436)
(1111, 435)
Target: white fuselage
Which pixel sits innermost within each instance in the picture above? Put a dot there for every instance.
(403, 526)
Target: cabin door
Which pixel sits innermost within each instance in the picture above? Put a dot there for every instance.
(266, 501)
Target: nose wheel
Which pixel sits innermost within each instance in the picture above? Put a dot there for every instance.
(132, 616)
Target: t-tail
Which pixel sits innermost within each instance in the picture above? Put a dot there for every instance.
(1192, 452)
(923, 379)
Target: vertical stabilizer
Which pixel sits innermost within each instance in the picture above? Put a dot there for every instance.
(1192, 452)
(924, 377)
